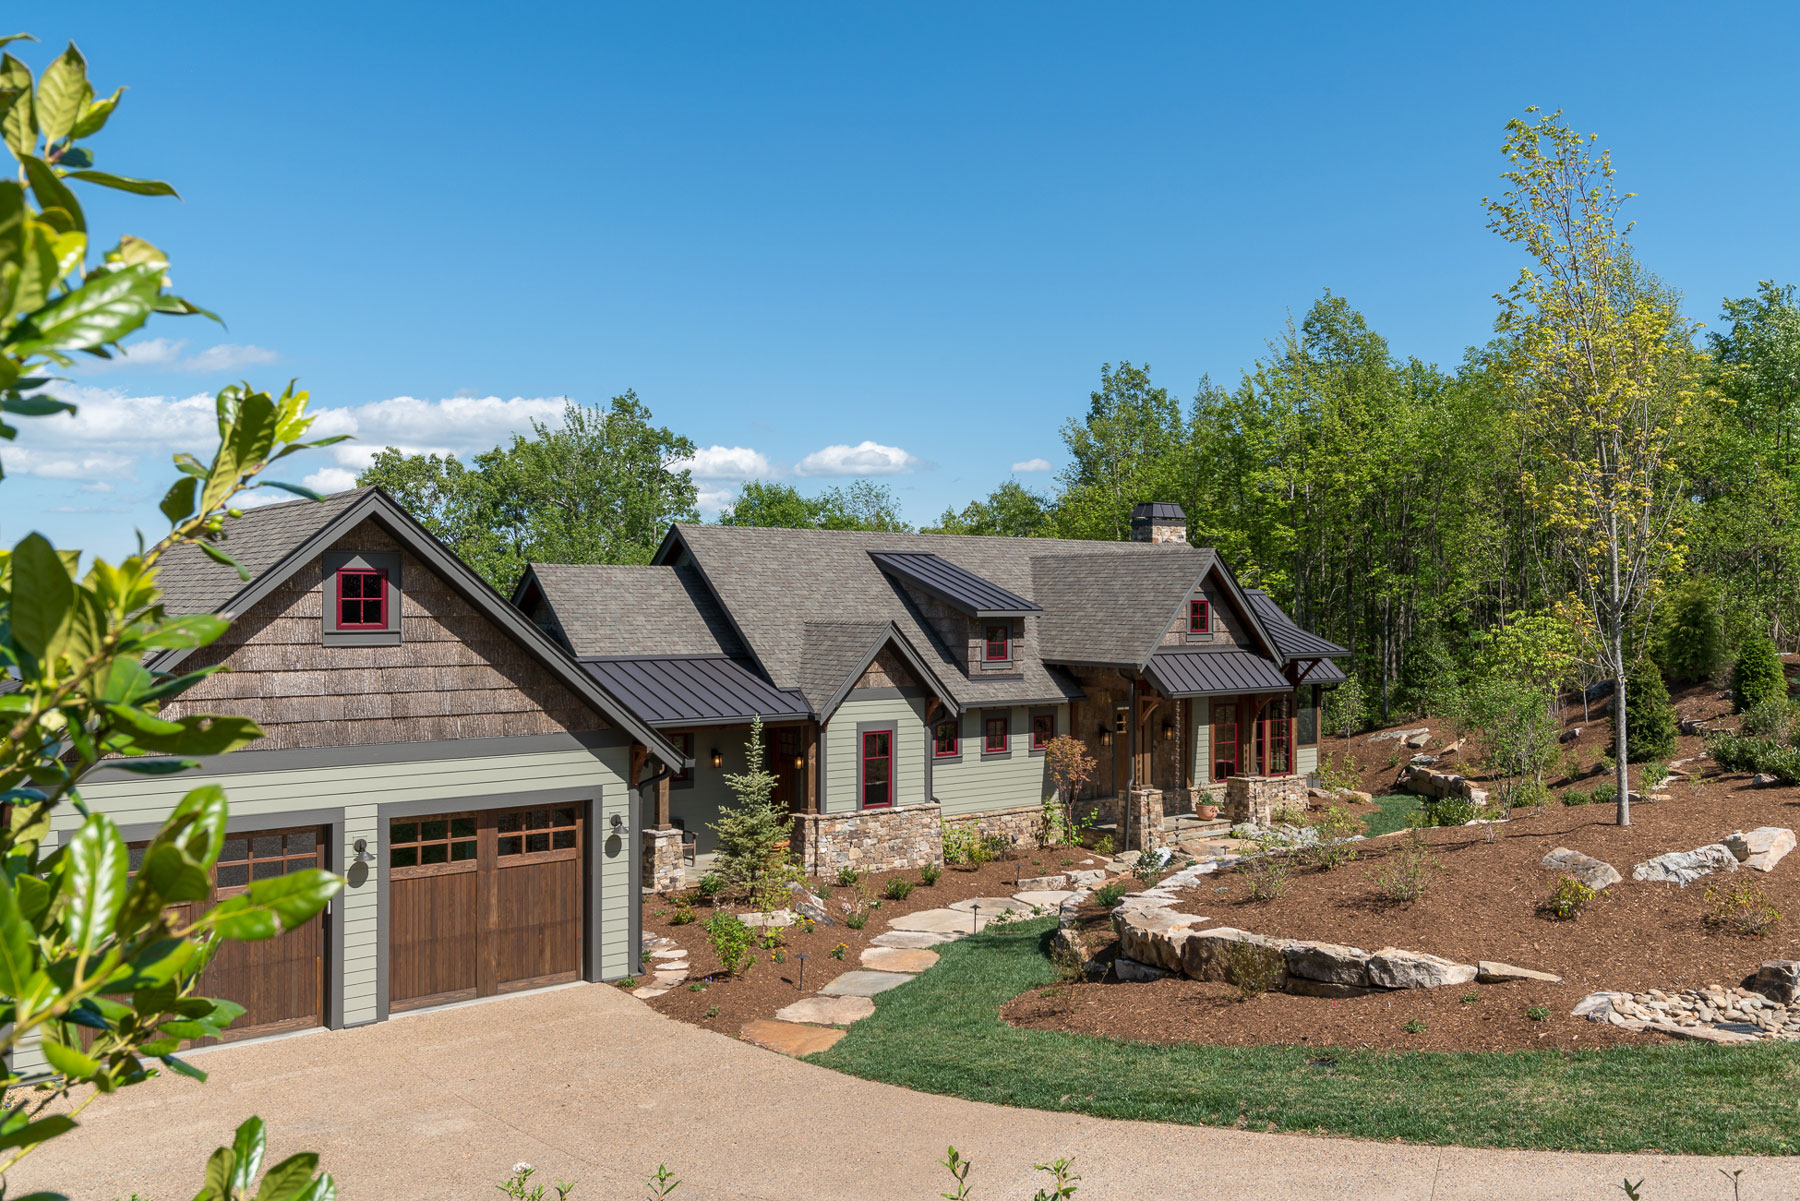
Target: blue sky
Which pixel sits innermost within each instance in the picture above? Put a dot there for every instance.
(799, 229)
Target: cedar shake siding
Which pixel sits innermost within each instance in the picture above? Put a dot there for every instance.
(453, 675)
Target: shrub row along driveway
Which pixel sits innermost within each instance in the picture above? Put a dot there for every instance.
(595, 1087)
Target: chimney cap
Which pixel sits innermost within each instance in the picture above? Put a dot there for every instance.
(1159, 511)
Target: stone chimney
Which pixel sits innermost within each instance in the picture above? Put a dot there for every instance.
(1158, 521)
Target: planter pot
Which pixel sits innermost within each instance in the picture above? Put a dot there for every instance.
(1206, 813)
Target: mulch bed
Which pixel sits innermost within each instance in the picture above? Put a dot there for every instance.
(725, 1003)
(1483, 904)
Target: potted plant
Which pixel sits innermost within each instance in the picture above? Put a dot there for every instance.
(1206, 813)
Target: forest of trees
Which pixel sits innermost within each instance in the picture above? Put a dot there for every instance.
(1405, 509)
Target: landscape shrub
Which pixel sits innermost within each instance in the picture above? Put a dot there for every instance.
(1334, 847)
(1341, 776)
(1738, 752)
(1649, 718)
(1757, 676)
(754, 833)
(1567, 899)
(1444, 811)
(682, 914)
(1406, 872)
(710, 885)
(1518, 725)
(1147, 865)
(929, 874)
(965, 846)
(1252, 968)
(856, 921)
(1538, 1013)
(1414, 1026)
(847, 877)
(1653, 776)
(1108, 896)
(1690, 643)
(1289, 813)
(1267, 872)
(732, 941)
(1769, 719)
(1576, 796)
(1606, 793)
(1530, 794)
(1741, 908)
(897, 888)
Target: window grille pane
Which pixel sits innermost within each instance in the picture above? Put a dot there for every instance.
(434, 852)
(460, 851)
(302, 842)
(403, 857)
(564, 839)
(511, 846)
(268, 869)
(434, 829)
(404, 832)
(462, 827)
(235, 849)
(234, 875)
(536, 842)
(266, 846)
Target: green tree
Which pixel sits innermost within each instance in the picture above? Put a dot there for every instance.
(753, 833)
(860, 505)
(1649, 717)
(1756, 677)
(1605, 376)
(1346, 709)
(1690, 643)
(1010, 511)
(1127, 449)
(96, 962)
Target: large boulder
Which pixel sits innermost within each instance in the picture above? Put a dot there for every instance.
(1130, 971)
(1392, 967)
(1399, 735)
(1331, 962)
(1207, 954)
(1055, 883)
(1594, 873)
(1684, 867)
(1778, 979)
(1490, 971)
(1761, 848)
(1154, 936)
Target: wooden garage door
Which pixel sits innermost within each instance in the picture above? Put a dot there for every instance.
(280, 981)
(485, 902)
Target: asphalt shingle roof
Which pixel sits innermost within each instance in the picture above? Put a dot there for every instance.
(1099, 608)
(607, 610)
(260, 539)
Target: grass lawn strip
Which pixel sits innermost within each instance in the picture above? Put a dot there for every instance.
(942, 1033)
(1391, 813)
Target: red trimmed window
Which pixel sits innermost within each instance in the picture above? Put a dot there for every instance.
(945, 740)
(994, 739)
(877, 769)
(1224, 741)
(1278, 739)
(1043, 729)
(997, 648)
(1199, 616)
(362, 599)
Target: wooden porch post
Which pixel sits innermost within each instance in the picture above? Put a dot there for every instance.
(812, 768)
(662, 805)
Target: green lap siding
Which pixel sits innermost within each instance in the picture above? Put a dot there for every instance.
(975, 782)
(843, 750)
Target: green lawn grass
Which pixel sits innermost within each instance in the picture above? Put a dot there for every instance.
(942, 1033)
(1392, 815)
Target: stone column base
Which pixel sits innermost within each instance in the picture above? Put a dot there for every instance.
(869, 840)
(664, 868)
(1143, 820)
(1256, 798)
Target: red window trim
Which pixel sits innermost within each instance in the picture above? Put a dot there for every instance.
(987, 736)
(345, 572)
(887, 758)
(1045, 722)
(937, 752)
(1225, 734)
(1005, 644)
(1200, 608)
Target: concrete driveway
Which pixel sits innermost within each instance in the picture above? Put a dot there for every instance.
(594, 1087)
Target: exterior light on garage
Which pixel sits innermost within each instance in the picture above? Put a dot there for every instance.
(718, 759)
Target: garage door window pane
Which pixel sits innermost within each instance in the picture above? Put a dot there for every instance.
(537, 842)
(403, 857)
(437, 828)
(462, 827)
(460, 851)
(266, 846)
(564, 839)
(234, 875)
(435, 852)
(301, 842)
(268, 869)
(405, 832)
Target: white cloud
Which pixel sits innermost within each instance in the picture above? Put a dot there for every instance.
(713, 501)
(53, 465)
(331, 479)
(865, 458)
(727, 463)
(1031, 465)
(167, 354)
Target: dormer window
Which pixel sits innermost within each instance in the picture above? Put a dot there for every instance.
(1199, 616)
(362, 597)
(997, 647)
(361, 605)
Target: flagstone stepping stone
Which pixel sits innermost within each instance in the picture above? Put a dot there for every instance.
(669, 953)
(1093, 876)
(646, 991)
(914, 939)
(781, 917)
(942, 921)
(864, 983)
(1043, 898)
(790, 1038)
(994, 905)
(898, 959)
(1042, 883)
(671, 979)
(827, 1011)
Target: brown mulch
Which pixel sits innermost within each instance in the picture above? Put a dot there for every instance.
(1483, 904)
(770, 985)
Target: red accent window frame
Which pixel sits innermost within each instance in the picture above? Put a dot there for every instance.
(989, 653)
(1278, 740)
(1199, 616)
(946, 739)
(995, 737)
(1043, 729)
(1224, 741)
(878, 769)
(355, 605)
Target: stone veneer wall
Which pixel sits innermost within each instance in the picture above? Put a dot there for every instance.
(1021, 828)
(1255, 798)
(664, 868)
(1144, 821)
(869, 840)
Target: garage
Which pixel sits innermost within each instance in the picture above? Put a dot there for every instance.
(280, 982)
(484, 902)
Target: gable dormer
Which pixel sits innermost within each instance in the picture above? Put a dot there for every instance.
(1210, 617)
(986, 627)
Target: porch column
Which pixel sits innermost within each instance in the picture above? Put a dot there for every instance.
(811, 804)
(662, 804)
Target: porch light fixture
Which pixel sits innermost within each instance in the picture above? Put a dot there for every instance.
(1105, 736)
(1168, 731)
(718, 759)
(799, 762)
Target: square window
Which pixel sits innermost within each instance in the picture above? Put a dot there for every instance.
(362, 599)
(994, 740)
(945, 742)
(1043, 729)
(997, 647)
(1199, 616)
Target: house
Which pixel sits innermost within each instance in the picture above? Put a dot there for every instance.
(471, 781)
(911, 681)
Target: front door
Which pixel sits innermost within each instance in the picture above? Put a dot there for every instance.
(484, 902)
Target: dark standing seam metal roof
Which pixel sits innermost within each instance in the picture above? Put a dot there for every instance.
(684, 690)
(956, 585)
(1208, 673)
(1290, 639)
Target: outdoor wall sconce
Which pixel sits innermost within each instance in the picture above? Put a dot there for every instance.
(718, 759)
(1105, 736)
(1168, 731)
(363, 853)
(617, 826)
(799, 762)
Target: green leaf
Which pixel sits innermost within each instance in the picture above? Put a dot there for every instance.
(297, 896)
(220, 1168)
(43, 597)
(201, 734)
(154, 767)
(75, 156)
(140, 187)
(284, 1181)
(38, 1131)
(178, 502)
(19, 125)
(17, 940)
(247, 1149)
(296, 489)
(93, 117)
(141, 722)
(102, 310)
(67, 1060)
(219, 556)
(94, 882)
(52, 192)
(63, 94)
(173, 874)
(241, 920)
(184, 1068)
(194, 629)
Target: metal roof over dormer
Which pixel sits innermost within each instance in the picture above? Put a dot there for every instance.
(953, 585)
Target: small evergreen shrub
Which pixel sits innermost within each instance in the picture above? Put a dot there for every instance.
(1690, 646)
(930, 874)
(1649, 718)
(682, 914)
(897, 888)
(1576, 796)
(1567, 899)
(1108, 896)
(1538, 1013)
(856, 921)
(1445, 811)
(1757, 676)
(1415, 1026)
(1738, 752)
